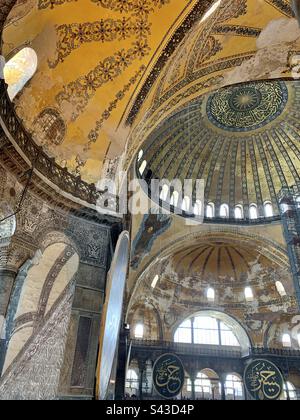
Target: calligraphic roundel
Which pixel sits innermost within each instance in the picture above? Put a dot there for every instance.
(263, 380)
(168, 375)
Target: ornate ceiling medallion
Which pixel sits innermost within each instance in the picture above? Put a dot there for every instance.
(247, 107)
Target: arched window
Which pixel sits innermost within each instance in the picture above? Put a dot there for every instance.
(210, 294)
(164, 192)
(132, 380)
(286, 340)
(224, 210)
(268, 209)
(186, 204)
(154, 281)
(210, 210)
(140, 155)
(248, 294)
(238, 212)
(139, 331)
(19, 70)
(202, 384)
(280, 288)
(142, 167)
(49, 127)
(198, 208)
(205, 330)
(174, 198)
(253, 214)
(289, 391)
(234, 387)
(183, 333)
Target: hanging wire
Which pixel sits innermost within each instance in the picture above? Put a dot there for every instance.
(22, 198)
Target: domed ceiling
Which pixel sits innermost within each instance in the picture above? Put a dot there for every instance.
(100, 72)
(219, 261)
(91, 55)
(243, 141)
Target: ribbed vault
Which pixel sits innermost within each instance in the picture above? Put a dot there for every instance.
(242, 140)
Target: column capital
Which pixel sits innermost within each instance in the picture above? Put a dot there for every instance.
(14, 253)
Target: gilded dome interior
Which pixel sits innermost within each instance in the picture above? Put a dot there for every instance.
(243, 141)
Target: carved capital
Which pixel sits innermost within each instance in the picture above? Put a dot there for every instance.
(14, 253)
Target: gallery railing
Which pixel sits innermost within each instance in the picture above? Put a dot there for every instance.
(41, 162)
(210, 350)
(189, 349)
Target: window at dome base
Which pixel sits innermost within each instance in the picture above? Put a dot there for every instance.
(19, 70)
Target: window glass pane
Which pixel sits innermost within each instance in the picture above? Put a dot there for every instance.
(183, 335)
(253, 212)
(238, 212)
(205, 322)
(202, 336)
(268, 210)
(139, 331)
(19, 70)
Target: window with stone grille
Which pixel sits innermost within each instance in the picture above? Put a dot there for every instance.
(49, 127)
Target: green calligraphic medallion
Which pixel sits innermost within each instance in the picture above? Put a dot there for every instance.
(248, 106)
(263, 380)
(168, 375)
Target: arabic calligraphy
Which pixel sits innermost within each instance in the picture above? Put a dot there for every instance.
(263, 380)
(168, 375)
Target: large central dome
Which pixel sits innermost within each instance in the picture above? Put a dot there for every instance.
(243, 141)
(247, 107)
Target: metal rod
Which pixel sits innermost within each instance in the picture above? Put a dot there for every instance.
(23, 195)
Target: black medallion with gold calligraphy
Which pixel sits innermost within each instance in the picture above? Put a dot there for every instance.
(168, 375)
(263, 380)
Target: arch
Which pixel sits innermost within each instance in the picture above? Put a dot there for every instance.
(289, 391)
(164, 192)
(268, 209)
(132, 379)
(19, 70)
(210, 210)
(216, 324)
(49, 127)
(224, 210)
(233, 234)
(174, 198)
(45, 286)
(234, 387)
(186, 204)
(238, 212)
(253, 213)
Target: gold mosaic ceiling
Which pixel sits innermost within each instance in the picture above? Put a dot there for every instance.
(219, 261)
(243, 141)
(100, 71)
